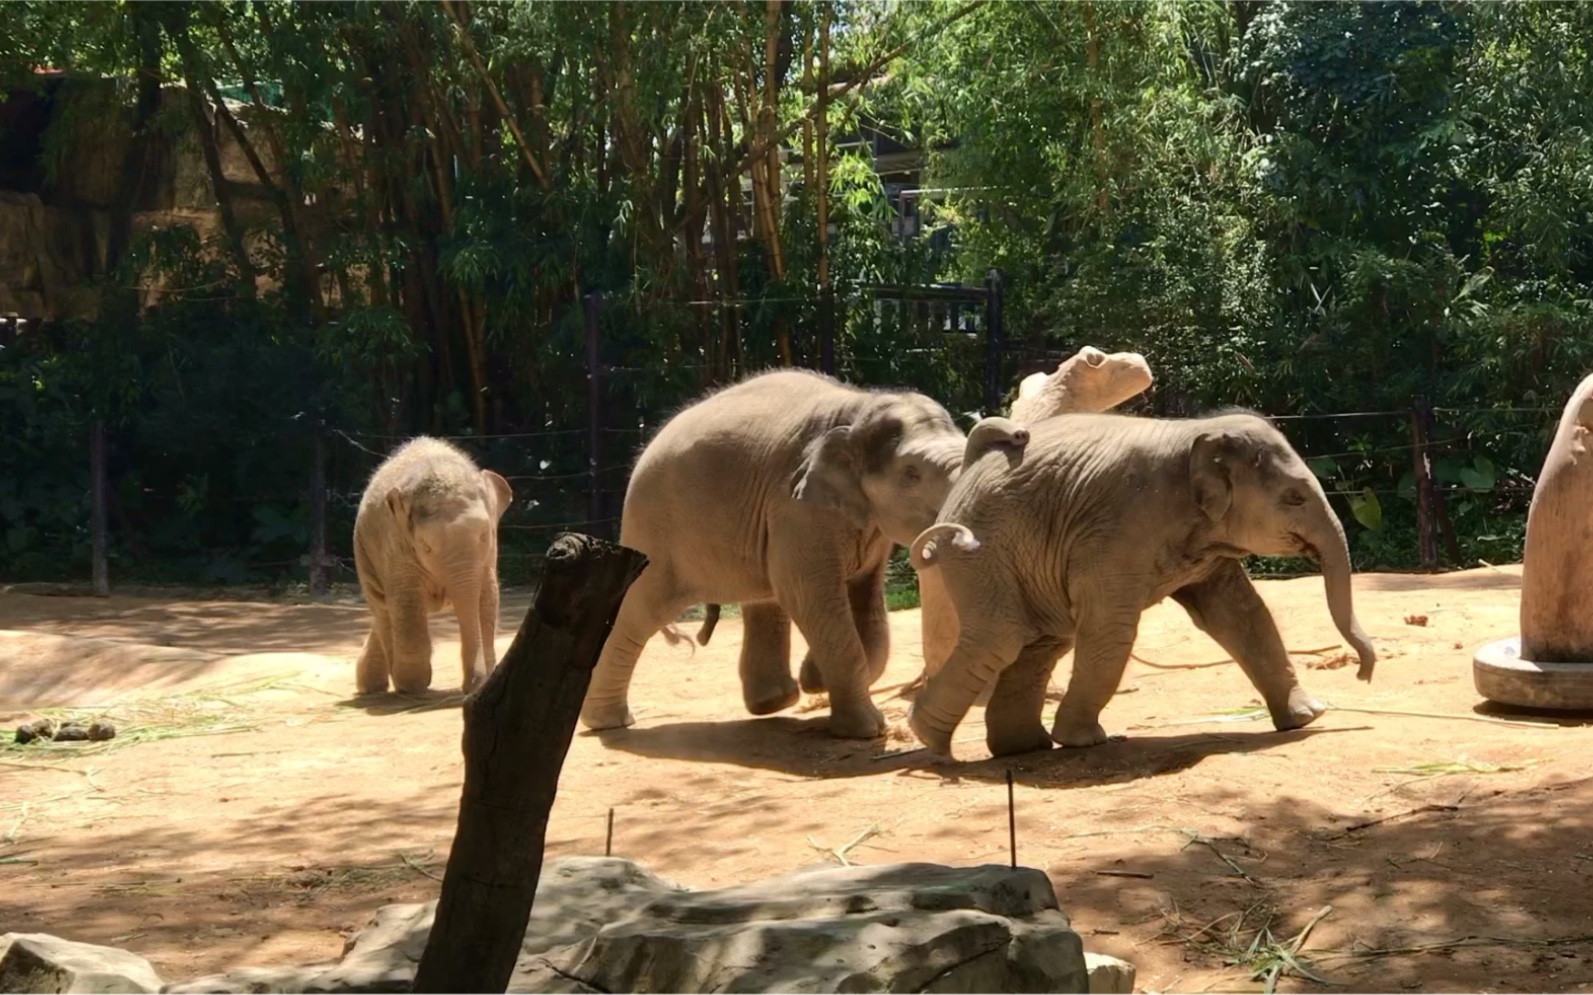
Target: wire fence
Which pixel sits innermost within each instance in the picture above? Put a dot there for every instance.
(570, 473)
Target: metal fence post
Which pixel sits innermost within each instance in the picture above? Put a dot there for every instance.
(320, 580)
(993, 341)
(594, 406)
(1427, 539)
(97, 524)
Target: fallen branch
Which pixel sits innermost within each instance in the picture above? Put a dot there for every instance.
(1125, 874)
(1226, 660)
(1418, 810)
(841, 852)
(1195, 837)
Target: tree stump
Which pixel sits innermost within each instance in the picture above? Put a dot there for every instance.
(1550, 665)
(518, 727)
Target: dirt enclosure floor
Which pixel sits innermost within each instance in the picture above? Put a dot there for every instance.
(253, 813)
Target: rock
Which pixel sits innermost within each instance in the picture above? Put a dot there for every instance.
(575, 897)
(254, 981)
(896, 927)
(1108, 975)
(38, 962)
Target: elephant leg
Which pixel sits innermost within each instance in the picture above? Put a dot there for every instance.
(652, 602)
(869, 613)
(1013, 717)
(980, 654)
(810, 585)
(766, 684)
(938, 619)
(371, 672)
(1225, 605)
(487, 608)
(1105, 640)
(410, 645)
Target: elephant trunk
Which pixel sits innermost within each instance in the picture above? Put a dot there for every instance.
(464, 592)
(1333, 554)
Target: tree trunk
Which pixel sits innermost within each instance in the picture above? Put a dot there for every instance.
(518, 728)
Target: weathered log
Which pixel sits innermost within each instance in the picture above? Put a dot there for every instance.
(518, 727)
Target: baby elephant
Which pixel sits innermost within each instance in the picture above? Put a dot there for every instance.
(425, 538)
(1098, 518)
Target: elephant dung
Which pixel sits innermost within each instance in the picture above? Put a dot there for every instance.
(39, 962)
(895, 927)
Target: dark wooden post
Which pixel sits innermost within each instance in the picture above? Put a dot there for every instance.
(320, 581)
(827, 330)
(594, 415)
(993, 341)
(1446, 530)
(1427, 539)
(518, 728)
(98, 501)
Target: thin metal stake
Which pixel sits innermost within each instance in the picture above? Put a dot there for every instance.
(608, 844)
(1012, 821)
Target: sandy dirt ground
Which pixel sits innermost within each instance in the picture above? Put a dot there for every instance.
(254, 813)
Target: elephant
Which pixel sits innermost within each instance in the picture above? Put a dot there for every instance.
(783, 493)
(1090, 380)
(1064, 544)
(426, 538)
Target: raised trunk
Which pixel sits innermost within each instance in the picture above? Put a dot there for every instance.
(1333, 554)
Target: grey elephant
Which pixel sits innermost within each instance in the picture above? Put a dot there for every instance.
(426, 538)
(783, 493)
(1064, 544)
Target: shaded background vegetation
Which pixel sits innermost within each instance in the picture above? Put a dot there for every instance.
(1313, 209)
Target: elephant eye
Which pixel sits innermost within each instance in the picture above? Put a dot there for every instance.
(425, 549)
(911, 476)
(1293, 497)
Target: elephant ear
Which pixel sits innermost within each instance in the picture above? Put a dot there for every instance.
(1212, 462)
(832, 477)
(398, 504)
(500, 490)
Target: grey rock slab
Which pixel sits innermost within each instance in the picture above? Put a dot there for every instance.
(575, 896)
(891, 928)
(39, 962)
(1108, 975)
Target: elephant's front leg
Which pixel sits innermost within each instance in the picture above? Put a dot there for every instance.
(371, 672)
(487, 609)
(766, 684)
(1105, 640)
(1226, 606)
(809, 583)
(867, 595)
(1013, 722)
(410, 645)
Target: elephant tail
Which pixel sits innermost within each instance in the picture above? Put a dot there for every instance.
(922, 552)
(674, 637)
(710, 619)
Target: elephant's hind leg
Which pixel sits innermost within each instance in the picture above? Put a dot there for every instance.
(1105, 640)
(867, 597)
(1013, 718)
(410, 646)
(371, 672)
(1226, 606)
(766, 684)
(653, 602)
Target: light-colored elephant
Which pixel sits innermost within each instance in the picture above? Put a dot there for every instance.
(1064, 545)
(1088, 382)
(426, 538)
(783, 493)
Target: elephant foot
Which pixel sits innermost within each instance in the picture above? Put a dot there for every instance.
(936, 741)
(615, 716)
(811, 680)
(473, 680)
(859, 722)
(1024, 739)
(1078, 735)
(774, 700)
(1300, 711)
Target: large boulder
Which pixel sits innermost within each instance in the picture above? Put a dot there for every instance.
(892, 928)
(39, 962)
(605, 924)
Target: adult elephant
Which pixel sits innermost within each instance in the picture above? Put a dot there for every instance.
(785, 492)
(1098, 518)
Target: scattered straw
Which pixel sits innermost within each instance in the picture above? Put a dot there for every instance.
(1462, 766)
